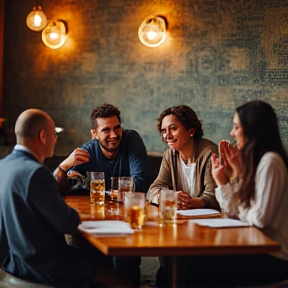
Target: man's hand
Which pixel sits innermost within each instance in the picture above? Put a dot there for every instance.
(77, 157)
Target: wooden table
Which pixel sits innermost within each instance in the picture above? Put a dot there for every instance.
(185, 238)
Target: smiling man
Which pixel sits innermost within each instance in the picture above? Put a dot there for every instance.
(112, 150)
(116, 152)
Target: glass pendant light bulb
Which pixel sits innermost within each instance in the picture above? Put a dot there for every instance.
(54, 34)
(151, 35)
(152, 31)
(36, 20)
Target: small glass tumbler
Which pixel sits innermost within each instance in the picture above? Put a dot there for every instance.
(125, 184)
(134, 209)
(168, 207)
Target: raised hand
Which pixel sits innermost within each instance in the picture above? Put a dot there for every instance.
(233, 159)
(78, 156)
(219, 169)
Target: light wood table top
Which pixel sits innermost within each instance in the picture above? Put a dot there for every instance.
(185, 238)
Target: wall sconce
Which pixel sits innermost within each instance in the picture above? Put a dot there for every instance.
(36, 19)
(58, 130)
(54, 34)
(152, 31)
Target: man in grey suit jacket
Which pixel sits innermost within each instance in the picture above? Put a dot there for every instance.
(33, 216)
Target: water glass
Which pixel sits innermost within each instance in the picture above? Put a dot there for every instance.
(168, 207)
(125, 184)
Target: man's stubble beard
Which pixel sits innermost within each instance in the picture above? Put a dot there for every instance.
(108, 149)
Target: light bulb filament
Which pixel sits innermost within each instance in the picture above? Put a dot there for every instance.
(37, 20)
(151, 35)
(53, 35)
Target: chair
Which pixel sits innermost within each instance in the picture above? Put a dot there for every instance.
(155, 160)
(9, 281)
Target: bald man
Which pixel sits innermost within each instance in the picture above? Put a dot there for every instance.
(33, 216)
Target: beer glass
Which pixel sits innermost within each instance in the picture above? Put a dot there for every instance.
(97, 188)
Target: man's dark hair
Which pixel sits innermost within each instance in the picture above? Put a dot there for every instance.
(104, 111)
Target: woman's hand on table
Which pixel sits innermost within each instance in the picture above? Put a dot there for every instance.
(185, 201)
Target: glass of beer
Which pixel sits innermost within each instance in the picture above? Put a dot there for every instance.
(125, 184)
(97, 188)
(134, 209)
(114, 189)
(97, 212)
(168, 207)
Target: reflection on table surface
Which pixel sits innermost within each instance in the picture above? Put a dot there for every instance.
(185, 238)
(115, 211)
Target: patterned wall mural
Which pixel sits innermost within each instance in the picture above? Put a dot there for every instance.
(218, 55)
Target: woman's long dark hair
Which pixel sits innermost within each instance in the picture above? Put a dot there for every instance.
(261, 135)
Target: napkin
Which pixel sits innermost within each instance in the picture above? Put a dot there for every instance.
(197, 212)
(111, 227)
(221, 222)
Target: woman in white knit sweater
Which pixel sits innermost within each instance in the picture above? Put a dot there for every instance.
(252, 181)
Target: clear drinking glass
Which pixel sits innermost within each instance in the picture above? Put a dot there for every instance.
(114, 189)
(125, 184)
(168, 207)
(97, 188)
(134, 209)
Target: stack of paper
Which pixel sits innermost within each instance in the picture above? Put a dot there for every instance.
(111, 227)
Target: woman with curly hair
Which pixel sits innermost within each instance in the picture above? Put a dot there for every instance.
(186, 164)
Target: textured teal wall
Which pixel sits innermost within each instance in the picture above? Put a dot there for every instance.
(218, 55)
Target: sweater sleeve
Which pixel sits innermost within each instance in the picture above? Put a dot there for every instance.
(224, 196)
(208, 194)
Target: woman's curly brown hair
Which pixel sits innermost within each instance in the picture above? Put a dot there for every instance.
(187, 116)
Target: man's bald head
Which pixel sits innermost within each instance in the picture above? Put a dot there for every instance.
(30, 122)
(35, 130)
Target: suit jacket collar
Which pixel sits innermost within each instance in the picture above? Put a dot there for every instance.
(18, 153)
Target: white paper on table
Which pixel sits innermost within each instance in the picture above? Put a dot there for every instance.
(197, 212)
(106, 227)
(220, 222)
